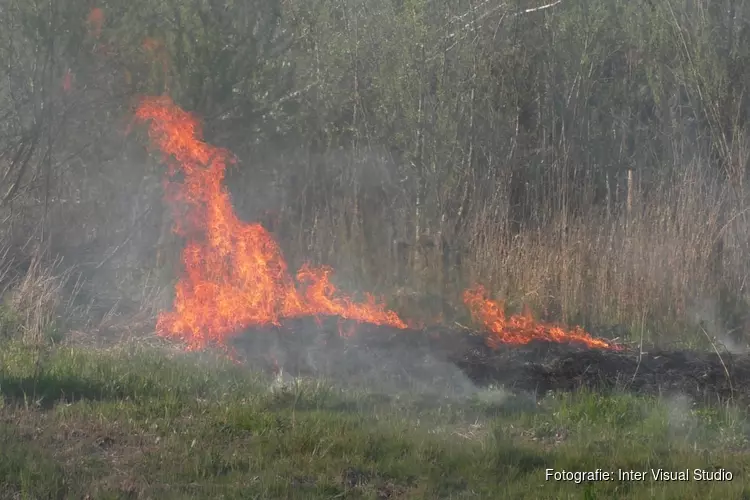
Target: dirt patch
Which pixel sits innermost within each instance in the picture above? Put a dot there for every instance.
(352, 477)
(306, 347)
(109, 448)
(384, 488)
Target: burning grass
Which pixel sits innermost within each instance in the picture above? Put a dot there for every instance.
(133, 423)
(236, 283)
(235, 275)
(357, 403)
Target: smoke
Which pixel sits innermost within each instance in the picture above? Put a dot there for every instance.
(705, 313)
(392, 368)
(699, 425)
(679, 409)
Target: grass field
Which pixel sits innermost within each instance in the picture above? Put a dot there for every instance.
(142, 422)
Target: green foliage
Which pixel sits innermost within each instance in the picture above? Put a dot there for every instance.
(10, 322)
(27, 471)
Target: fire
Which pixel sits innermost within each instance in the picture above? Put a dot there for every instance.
(95, 20)
(521, 329)
(235, 275)
(67, 82)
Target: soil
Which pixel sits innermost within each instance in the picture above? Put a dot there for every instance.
(434, 356)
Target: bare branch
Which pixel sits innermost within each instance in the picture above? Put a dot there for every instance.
(454, 38)
(535, 9)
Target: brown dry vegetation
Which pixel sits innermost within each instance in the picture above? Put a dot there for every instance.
(588, 160)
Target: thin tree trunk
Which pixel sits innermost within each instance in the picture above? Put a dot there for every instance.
(419, 168)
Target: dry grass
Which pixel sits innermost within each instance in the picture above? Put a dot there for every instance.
(39, 299)
(655, 267)
(652, 271)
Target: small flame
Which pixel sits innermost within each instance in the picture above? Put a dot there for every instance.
(95, 20)
(67, 83)
(235, 275)
(151, 44)
(521, 329)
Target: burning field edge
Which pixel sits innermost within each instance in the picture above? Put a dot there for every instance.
(130, 422)
(454, 356)
(237, 291)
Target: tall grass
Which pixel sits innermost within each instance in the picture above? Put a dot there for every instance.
(670, 266)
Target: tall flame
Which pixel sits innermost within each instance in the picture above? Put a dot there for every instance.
(521, 329)
(235, 275)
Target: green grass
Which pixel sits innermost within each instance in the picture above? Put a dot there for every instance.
(134, 422)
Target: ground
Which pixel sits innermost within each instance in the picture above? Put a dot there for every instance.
(148, 421)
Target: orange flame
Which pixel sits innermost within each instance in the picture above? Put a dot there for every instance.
(521, 329)
(235, 275)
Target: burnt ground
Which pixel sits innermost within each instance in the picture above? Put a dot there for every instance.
(458, 359)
